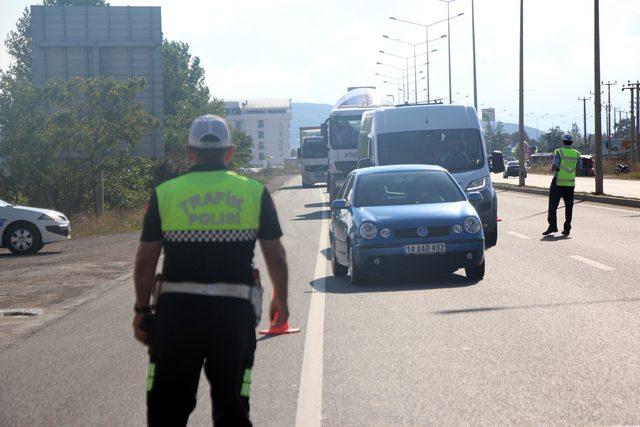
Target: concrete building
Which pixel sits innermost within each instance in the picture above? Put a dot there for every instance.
(91, 41)
(267, 122)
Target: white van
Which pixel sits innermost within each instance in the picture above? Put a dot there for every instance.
(445, 135)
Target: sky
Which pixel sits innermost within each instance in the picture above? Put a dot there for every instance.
(312, 50)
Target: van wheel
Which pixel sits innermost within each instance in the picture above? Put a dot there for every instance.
(23, 238)
(475, 272)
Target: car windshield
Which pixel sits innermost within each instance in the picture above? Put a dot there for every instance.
(4, 204)
(457, 150)
(406, 188)
(344, 131)
(314, 149)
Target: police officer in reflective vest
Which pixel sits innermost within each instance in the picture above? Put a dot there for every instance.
(565, 163)
(207, 222)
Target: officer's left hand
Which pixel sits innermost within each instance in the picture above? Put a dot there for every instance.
(138, 332)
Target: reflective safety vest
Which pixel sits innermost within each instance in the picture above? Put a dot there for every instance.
(566, 175)
(210, 206)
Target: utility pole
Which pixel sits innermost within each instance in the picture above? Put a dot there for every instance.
(521, 170)
(633, 89)
(585, 137)
(448, 2)
(597, 102)
(608, 108)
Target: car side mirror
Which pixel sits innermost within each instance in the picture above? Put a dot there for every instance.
(497, 162)
(364, 163)
(474, 196)
(339, 204)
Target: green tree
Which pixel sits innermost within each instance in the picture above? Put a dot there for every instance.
(243, 144)
(495, 137)
(551, 140)
(622, 129)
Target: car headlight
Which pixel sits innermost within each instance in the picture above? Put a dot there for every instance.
(457, 229)
(472, 224)
(368, 230)
(45, 217)
(478, 184)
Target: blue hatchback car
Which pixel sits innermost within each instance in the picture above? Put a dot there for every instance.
(405, 218)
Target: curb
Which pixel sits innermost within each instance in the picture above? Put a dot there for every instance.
(609, 200)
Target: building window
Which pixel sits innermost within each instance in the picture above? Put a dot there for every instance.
(260, 124)
(260, 134)
(260, 156)
(260, 145)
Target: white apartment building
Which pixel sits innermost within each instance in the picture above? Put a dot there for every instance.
(267, 122)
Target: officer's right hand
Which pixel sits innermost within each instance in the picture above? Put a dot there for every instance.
(279, 311)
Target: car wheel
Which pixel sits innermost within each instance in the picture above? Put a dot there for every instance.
(504, 175)
(337, 268)
(356, 276)
(475, 272)
(23, 238)
(491, 237)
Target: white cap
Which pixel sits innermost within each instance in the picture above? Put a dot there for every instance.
(209, 131)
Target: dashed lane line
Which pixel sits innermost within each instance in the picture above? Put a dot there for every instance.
(591, 263)
(518, 235)
(309, 410)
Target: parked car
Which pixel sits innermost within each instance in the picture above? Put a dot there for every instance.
(513, 169)
(401, 218)
(587, 166)
(25, 230)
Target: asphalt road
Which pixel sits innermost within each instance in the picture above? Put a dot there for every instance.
(550, 336)
(585, 184)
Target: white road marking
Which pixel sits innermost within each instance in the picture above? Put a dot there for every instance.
(591, 263)
(309, 411)
(582, 204)
(518, 235)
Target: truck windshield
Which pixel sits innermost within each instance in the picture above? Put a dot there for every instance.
(406, 188)
(344, 131)
(457, 150)
(314, 150)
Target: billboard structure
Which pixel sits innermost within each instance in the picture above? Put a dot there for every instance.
(92, 41)
(488, 115)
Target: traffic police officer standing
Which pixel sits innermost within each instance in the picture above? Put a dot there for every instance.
(207, 221)
(565, 163)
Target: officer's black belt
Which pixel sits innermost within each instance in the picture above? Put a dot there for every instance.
(231, 290)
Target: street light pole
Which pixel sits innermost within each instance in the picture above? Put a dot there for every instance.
(448, 2)
(598, 103)
(521, 171)
(473, 37)
(415, 74)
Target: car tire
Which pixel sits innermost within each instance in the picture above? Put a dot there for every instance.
(356, 276)
(23, 238)
(505, 176)
(338, 269)
(475, 272)
(491, 237)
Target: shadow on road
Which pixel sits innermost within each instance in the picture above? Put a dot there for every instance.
(37, 254)
(550, 238)
(527, 307)
(326, 253)
(292, 187)
(341, 285)
(524, 218)
(316, 215)
(317, 205)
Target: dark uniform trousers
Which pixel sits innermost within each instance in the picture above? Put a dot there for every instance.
(192, 330)
(555, 194)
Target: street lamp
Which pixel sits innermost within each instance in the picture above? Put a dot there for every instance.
(448, 2)
(415, 79)
(406, 58)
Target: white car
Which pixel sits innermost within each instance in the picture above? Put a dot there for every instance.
(26, 230)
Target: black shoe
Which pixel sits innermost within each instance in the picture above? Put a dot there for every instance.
(550, 230)
(566, 232)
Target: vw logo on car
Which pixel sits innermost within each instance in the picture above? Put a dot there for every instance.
(422, 231)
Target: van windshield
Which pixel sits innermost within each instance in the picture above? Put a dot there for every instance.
(457, 150)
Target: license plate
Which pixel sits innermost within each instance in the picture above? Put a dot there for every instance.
(425, 249)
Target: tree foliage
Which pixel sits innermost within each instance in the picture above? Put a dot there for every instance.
(551, 139)
(495, 137)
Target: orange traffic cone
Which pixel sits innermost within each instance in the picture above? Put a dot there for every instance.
(278, 330)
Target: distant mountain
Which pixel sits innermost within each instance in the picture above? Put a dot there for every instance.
(514, 127)
(306, 114)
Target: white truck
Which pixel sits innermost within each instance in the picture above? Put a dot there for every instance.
(449, 136)
(341, 129)
(313, 156)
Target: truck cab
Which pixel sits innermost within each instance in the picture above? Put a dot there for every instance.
(314, 160)
(449, 136)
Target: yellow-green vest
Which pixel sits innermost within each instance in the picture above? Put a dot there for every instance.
(566, 175)
(210, 206)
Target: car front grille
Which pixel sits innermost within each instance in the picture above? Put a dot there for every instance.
(346, 166)
(411, 233)
(56, 229)
(316, 168)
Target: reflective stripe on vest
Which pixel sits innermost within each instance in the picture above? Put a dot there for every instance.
(210, 206)
(566, 176)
